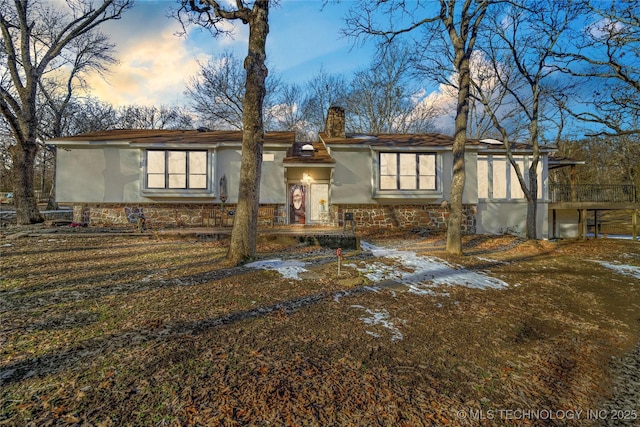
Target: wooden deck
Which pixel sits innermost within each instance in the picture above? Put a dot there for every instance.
(594, 197)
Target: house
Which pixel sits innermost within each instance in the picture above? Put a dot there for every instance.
(173, 176)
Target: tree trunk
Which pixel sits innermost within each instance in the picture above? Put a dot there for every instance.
(243, 235)
(23, 158)
(454, 231)
(532, 204)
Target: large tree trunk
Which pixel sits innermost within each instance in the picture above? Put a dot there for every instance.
(23, 158)
(243, 235)
(454, 231)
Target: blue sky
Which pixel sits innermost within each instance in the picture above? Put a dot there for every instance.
(154, 63)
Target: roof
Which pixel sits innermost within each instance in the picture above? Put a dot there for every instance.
(391, 140)
(320, 154)
(416, 140)
(155, 136)
(557, 161)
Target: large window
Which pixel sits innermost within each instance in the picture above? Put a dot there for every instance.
(169, 169)
(408, 171)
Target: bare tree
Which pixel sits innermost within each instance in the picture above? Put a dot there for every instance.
(87, 53)
(35, 38)
(453, 29)
(322, 91)
(213, 14)
(152, 117)
(217, 93)
(518, 41)
(287, 113)
(605, 59)
(385, 99)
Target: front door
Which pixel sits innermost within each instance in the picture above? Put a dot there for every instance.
(297, 204)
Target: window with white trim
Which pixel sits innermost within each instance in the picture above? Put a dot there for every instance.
(175, 169)
(408, 171)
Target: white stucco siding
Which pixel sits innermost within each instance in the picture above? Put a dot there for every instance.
(566, 223)
(499, 217)
(91, 175)
(352, 178)
(272, 179)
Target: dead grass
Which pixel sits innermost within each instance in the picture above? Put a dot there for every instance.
(132, 331)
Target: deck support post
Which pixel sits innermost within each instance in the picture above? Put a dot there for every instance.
(634, 222)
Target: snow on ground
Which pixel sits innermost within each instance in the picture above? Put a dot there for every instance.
(627, 270)
(382, 318)
(419, 273)
(288, 268)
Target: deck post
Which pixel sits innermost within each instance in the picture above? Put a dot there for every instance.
(634, 222)
(595, 223)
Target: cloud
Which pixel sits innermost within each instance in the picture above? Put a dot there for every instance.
(154, 62)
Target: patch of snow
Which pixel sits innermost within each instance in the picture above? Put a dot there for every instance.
(627, 270)
(424, 272)
(382, 318)
(289, 269)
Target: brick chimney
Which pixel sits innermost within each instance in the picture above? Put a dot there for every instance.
(335, 125)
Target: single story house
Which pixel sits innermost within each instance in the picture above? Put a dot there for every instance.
(173, 176)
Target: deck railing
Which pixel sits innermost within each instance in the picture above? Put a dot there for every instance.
(593, 193)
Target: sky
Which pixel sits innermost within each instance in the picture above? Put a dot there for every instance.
(155, 63)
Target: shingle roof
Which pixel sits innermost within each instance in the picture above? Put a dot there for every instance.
(417, 140)
(392, 140)
(320, 155)
(173, 136)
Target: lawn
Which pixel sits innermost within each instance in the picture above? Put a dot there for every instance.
(116, 331)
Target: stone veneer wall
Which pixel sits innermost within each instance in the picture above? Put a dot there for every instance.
(156, 215)
(432, 217)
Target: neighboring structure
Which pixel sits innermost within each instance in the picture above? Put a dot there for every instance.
(173, 178)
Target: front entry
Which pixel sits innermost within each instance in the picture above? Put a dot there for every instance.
(297, 204)
(308, 203)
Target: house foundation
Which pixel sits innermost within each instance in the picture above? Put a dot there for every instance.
(431, 217)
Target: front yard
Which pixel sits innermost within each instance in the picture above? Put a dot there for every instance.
(113, 331)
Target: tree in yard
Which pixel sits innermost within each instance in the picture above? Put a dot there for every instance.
(453, 29)
(518, 42)
(36, 37)
(605, 58)
(212, 15)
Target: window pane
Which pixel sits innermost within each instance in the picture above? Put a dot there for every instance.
(499, 177)
(388, 164)
(177, 181)
(427, 164)
(516, 189)
(198, 162)
(177, 162)
(155, 180)
(155, 161)
(408, 164)
(197, 181)
(388, 183)
(483, 177)
(427, 182)
(408, 182)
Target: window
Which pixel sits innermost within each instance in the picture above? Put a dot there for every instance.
(497, 178)
(408, 171)
(168, 169)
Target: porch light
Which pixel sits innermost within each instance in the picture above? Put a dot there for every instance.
(307, 150)
(306, 178)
